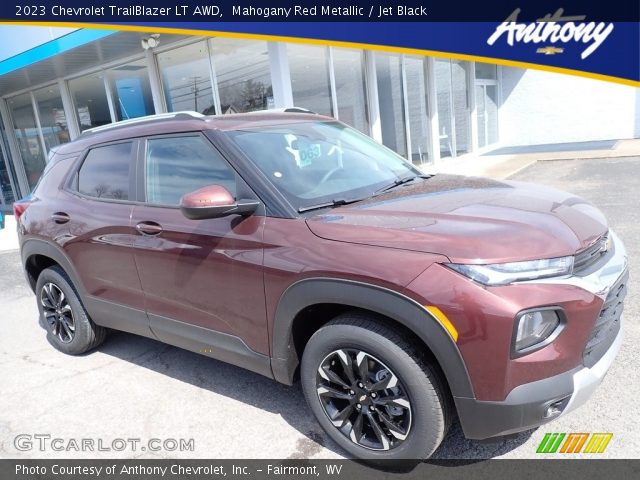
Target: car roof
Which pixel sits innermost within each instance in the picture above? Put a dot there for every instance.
(182, 122)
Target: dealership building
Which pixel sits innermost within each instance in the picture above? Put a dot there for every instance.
(55, 83)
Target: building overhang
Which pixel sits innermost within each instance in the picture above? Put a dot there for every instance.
(75, 52)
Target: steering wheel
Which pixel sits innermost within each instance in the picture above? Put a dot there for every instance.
(330, 174)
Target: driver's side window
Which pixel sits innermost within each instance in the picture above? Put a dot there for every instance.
(175, 166)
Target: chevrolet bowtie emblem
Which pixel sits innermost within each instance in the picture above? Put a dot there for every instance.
(550, 50)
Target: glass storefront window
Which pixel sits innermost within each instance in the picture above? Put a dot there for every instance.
(492, 113)
(26, 133)
(486, 71)
(391, 97)
(461, 110)
(445, 117)
(417, 102)
(90, 101)
(348, 69)
(6, 194)
(53, 120)
(242, 74)
(453, 107)
(310, 81)
(186, 79)
(481, 108)
(486, 89)
(131, 90)
(6, 174)
(487, 108)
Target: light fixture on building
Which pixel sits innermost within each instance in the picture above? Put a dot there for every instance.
(152, 41)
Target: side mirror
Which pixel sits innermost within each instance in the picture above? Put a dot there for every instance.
(214, 201)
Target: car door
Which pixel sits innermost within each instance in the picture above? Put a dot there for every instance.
(202, 279)
(92, 221)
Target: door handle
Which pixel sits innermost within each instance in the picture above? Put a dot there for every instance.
(149, 228)
(60, 218)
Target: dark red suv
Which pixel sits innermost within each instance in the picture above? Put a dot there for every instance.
(294, 246)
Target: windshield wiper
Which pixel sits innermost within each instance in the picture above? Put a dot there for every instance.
(343, 201)
(333, 203)
(400, 181)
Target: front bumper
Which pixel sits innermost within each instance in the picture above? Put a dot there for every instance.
(586, 380)
(528, 405)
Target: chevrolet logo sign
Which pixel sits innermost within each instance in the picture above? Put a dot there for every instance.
(550, 50)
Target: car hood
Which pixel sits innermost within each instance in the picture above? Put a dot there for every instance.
(468, 219)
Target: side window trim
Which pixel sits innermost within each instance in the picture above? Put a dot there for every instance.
(72, 184)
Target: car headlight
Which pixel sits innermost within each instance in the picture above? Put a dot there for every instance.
(535, 328)
(505, 273)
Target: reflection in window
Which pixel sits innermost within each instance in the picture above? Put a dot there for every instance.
(416, 72)
(453, 108)
(176, 166)
(186, 79)
(486, 71)
(390, 94)
(487, 108)
(26, 132)
(445, 118)
(461, 106)
(5, 175)
(310, 84)
(53, 120)
(243, 75)
(348, 67)
(105, 172)
(492, 113)
(90, 101)
(131, 90)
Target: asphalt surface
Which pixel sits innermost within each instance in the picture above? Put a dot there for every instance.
(136, 388)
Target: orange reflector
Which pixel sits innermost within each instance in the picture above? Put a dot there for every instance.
(444, 321)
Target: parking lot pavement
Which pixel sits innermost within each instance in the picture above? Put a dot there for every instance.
(136, 388)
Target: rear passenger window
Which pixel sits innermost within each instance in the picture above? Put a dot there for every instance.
(105, 172)
(179, 165)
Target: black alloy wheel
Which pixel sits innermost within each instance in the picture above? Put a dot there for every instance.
(68, 324)
(364, 399)
(57, 312)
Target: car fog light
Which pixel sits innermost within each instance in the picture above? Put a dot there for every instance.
(554, 409)
(535, 327)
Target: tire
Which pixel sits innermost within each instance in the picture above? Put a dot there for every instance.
(69, 328)
(419, 428)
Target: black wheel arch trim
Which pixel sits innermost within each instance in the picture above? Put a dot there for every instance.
(35, 246)
(381, 300)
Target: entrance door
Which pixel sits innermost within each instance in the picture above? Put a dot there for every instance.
(487, 108)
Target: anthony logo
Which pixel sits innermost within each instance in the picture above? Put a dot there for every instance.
(574, 443)
(553, 29)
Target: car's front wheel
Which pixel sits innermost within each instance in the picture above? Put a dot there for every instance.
(69, 328)
(373, 391)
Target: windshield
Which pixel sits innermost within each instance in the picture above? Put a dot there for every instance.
(314, 163)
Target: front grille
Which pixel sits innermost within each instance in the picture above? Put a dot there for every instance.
(590, 255)
(608, 323)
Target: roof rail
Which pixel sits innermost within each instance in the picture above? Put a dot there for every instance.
(285, 110)
(147, 118)
(298, 110)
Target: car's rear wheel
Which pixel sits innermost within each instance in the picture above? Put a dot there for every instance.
(373, 391)
(69, 328)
